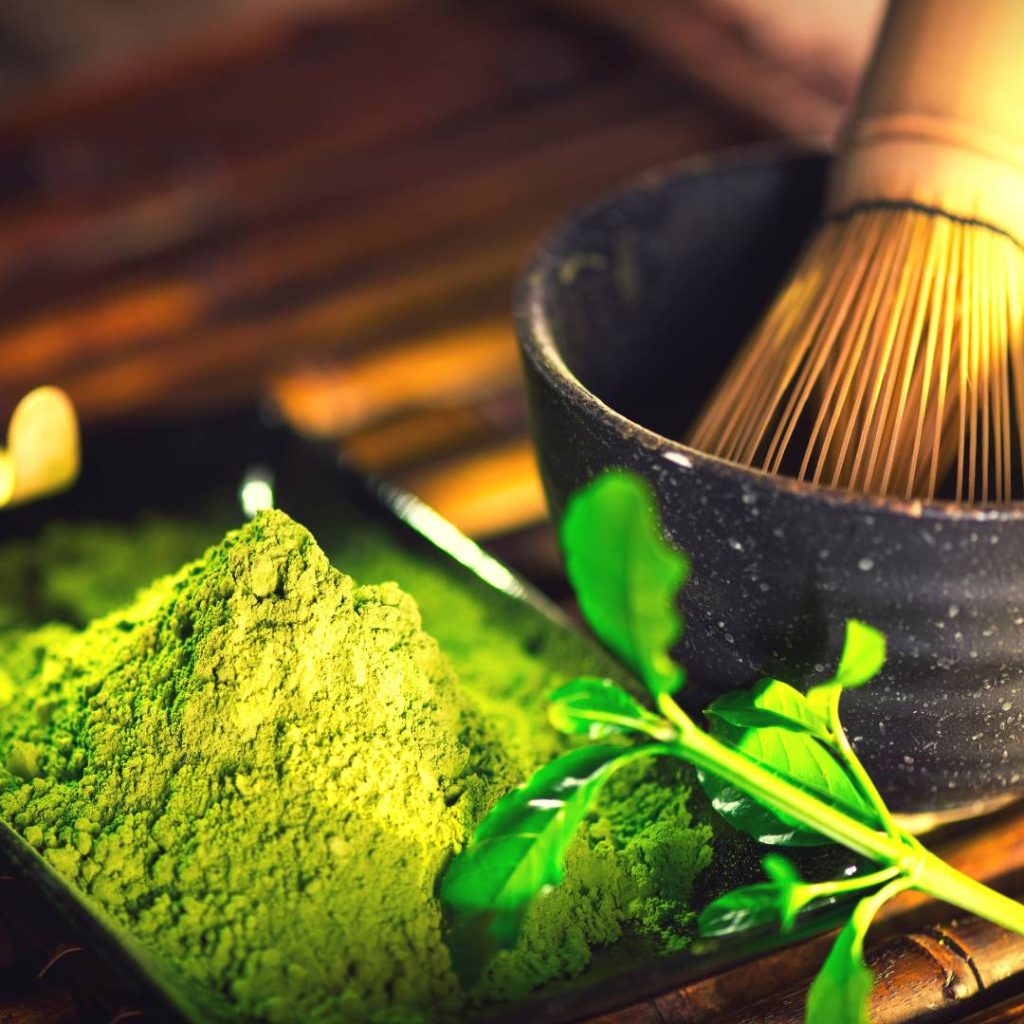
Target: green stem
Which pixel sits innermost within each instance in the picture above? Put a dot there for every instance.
(820, 890)
(708, 754)
(925, 871)
(944, 882)
(845, 750)
(654, 727)
(867, 910)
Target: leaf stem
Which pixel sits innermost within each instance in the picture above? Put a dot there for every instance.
(821, 890)
(868, 908)
(923, 869)
(708, 754)
(853, 765)
(944, 882)
(656, 728)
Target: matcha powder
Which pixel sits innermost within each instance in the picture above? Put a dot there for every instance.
(260, 769)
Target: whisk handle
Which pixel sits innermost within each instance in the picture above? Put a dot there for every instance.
(939, 120)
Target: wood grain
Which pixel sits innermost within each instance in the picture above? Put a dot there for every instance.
(332, 210)
(1009, 1011)
(700, 40)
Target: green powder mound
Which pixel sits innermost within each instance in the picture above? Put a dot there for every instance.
(630, 873)
(260, 769)
(76, 572)
(507, 656)
(630, 876)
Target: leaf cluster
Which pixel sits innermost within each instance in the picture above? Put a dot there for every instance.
(774, 761)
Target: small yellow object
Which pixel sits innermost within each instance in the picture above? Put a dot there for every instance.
(6, 478)
(43, 453)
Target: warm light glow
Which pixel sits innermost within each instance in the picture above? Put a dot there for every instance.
(256, 493)
(43, 454)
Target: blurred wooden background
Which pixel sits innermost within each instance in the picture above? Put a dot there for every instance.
(326, 204)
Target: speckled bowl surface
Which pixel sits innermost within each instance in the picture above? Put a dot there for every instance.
(626, 317)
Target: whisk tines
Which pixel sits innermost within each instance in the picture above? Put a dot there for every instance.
(892, 362)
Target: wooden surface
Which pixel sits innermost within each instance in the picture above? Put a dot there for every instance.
(328, 214)
(353, 196)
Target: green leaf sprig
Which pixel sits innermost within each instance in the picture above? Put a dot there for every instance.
(774, 761)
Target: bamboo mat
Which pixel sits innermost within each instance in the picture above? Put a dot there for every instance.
(328, 214)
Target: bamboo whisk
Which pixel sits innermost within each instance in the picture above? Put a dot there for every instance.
(894, 357)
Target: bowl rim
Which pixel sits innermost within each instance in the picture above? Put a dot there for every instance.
(540, 348)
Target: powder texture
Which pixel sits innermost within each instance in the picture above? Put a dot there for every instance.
(260, 769)
(75, 572)
(629, 876)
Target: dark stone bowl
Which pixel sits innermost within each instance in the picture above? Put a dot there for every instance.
(627, 315)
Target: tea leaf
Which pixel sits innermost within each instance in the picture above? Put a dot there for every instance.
(740, 910)
(862, 659)
(625, 575)
(518, 853)
(863, 655)
(596, 708)
(776, 902)
(841, 991)
(793, 894)
(770, 703)
(800, 759)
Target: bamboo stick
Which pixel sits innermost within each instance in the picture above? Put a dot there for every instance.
(1009, 1011)
(420, 64)
(918, 974)
(245, 307)
(201, 206)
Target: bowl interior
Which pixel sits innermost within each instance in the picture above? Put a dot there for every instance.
(691, 267)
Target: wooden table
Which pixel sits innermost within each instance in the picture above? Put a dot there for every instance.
(329, 215)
